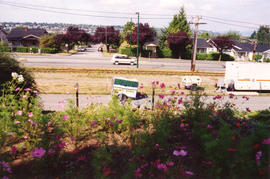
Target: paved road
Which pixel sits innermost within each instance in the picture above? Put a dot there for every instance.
(54, 101)
(92, 58)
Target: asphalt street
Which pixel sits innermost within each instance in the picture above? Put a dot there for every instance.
(94, 59)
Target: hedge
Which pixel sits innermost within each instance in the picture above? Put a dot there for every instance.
(5, 49)
(35, 49)
(257, 57)
(49, 50)
(133, 52)
(202, 56)
(22, 49)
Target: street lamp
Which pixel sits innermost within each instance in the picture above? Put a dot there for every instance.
(137, 55)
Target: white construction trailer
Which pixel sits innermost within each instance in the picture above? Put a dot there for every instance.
(248, 76)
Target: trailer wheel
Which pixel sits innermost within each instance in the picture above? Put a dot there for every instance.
(231, 87)
(116, 63)
(122, 97)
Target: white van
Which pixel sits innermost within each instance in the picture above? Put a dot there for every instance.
(122, 59)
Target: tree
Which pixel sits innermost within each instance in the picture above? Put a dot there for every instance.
(222, 43)
(128, 28)
(204, 35)
(263, 35)
(177, 43)
(163, 38)
(233, 35)
(179, 23)
(48, 41)
(108, 36)
(146, 34)
(253, 35)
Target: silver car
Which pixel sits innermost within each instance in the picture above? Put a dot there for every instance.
(122, 59)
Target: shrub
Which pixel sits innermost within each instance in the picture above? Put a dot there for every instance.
(9, 65)
(224, 57)
(5, 49)
(257, 57)
(127, 51)
(202, 56)
(166, 52)
(49, 50)
(22, 49)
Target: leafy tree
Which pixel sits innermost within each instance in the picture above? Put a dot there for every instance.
(108, 36)
(204, 35)
(263, 35)
(222, 43)
(163, 38)
(146, 34)
(233, 35)
(73, 36)
(179, 23)
(48, 41)
(178, 42)
(253, 35)
(128, 28)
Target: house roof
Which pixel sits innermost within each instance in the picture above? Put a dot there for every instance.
(152, 43)
(19, 33)
(243, 47)
(263, 48)
(202, 43)
(3, 31)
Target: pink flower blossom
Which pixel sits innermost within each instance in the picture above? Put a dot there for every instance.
(209, 126)
(118, 121)
(161, 96)
(258, 156)
(24, 96)
(162, 167)
(17, 89)
(207, 162)
(189, 173)
(51, 151)
(17, 122)
(178, 85)
(181, 153)
(30, 114)
(19, 113)
(93, 122)
(36, 92)
(38, 152)
(162, 85)
(180, 100)
(27, 89)
(182, 93)
(32, 122)
(26, 137)
(170, 163)
(65, 117)
(14, 150)
(266, 141)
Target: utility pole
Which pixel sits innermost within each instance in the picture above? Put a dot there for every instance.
(130, 38)
(197, 23)
(138, 25)
(106, 40)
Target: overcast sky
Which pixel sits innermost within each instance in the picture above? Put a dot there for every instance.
(246, 13)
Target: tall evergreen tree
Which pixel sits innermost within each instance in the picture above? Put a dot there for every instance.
(179, 23)
(263, 35)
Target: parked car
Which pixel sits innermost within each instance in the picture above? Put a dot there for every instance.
(122, 59)
(81, 49)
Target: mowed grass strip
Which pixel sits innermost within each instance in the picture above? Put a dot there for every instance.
(101, 83)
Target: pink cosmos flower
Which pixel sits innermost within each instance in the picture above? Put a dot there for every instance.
(51, 151)
(24, 96)
(189, 173)
(209, 126)
(93, 122)
(266, 141)
(14, 150)
(182, 93)
(118, 121)
(26, 137)
(162, 167)
(27, 89)
(170, 163)
(161, 96)
(38, 152)
(180, 100)
(258, 156)
(162, 85)
(207, 162)
(61, 106)
(17, 89)
(19, 113)
(36, 92)
(65, 117)
(181, 153)
(17, 122)
(32, 122)
(30, 114)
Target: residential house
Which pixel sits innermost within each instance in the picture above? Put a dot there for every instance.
(152, 46)
(263, 50)
(25, 37)
(3, 35)
(204, 47)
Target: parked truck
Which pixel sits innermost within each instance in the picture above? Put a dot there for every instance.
(251, 76)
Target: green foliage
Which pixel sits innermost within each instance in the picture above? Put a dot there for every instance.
(179, 23)
(263, 35)
(5, 49)
(257, 57)
(166, 52)
(233, 35)
(163, 38)
(128, 51)
(22, 49)
(224, 57)
(47, 41)
(204, 35)
(49, 50)
(9, 65)
(202, 56)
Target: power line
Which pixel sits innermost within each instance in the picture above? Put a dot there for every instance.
(244, 26)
